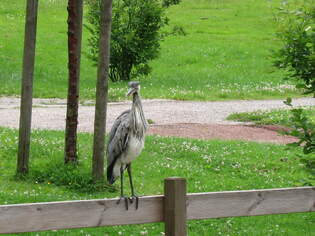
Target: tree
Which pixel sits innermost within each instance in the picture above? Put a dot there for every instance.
(75, 12)
(27, 86)
(135, 36)
(102, 90)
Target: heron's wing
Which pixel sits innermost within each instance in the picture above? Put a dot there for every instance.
(118, 137)
(116, 124)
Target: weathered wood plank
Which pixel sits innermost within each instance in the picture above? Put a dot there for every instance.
(93, 213)
(77, 214)
(175, 206)
(250, 203)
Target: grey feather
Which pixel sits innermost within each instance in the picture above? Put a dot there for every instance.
(118, 137)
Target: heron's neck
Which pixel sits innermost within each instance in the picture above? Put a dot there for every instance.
(139, 121)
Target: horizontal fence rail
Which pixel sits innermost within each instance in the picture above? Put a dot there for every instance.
(77, 214)
(93, 213)
(250, 203)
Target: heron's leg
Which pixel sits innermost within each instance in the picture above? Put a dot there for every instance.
(121, 181)
(122, 196)
(131, 186)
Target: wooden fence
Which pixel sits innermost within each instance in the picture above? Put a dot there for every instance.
(174, 208)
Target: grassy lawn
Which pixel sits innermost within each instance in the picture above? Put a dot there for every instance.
(207, 165)
(225, 54)
(272, 117)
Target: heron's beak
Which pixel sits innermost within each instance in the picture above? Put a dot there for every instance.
(130, 91)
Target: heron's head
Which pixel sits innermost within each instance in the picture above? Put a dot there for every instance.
(134, 87)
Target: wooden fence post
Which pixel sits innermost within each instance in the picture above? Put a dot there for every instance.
(175, 206)
(27, 86)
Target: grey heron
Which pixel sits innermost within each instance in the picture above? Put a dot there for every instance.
(126, 141)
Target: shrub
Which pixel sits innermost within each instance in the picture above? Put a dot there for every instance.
(134, 38)
(168, 3)
(297, 54)
(304, 129)
(178, 30)
(297, 57)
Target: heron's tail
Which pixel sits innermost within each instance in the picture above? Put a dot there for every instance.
(110, 173)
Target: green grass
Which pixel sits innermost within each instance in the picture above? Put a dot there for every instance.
(207, 165)
(225, 54)
(272, 117)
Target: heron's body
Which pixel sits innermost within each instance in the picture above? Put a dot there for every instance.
(126, 139)
(133, 150)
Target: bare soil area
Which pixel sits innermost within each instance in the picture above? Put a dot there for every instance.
(223, 132)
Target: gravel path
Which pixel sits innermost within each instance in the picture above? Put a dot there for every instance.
(50, 113)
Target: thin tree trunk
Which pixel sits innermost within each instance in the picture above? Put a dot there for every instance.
(102, 91)
(75, 12)
(27, 86)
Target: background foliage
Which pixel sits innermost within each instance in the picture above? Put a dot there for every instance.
(297, 52)
(135, 36)
(297, 57)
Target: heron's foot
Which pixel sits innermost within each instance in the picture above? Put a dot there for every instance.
(136, 199)
(125, 199)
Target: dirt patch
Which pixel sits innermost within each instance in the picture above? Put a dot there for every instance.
(224, 132)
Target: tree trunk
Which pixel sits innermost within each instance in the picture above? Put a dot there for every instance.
(102, 91)
(27, 86)
(75, 12)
